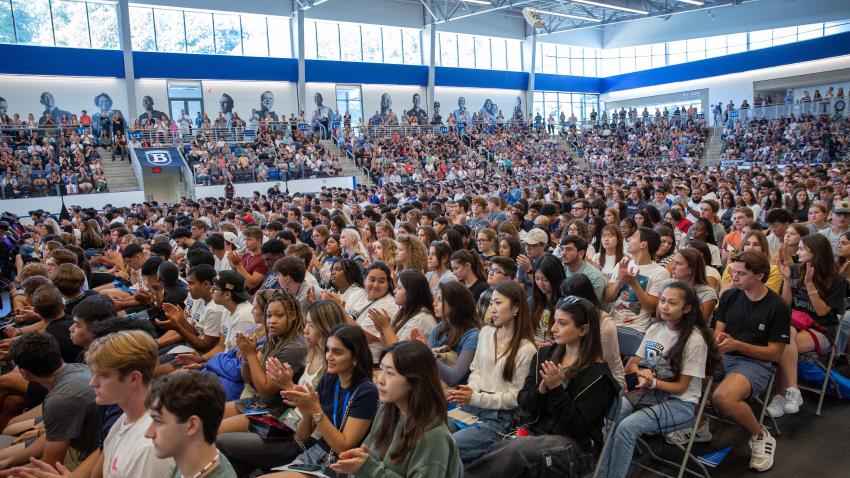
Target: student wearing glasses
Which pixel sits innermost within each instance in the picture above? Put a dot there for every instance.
(501, 269)
(566, 394)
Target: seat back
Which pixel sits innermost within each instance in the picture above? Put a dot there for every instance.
(629, 340)
(612, 419)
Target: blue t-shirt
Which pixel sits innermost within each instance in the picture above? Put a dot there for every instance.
(362, 402)
(467, 342)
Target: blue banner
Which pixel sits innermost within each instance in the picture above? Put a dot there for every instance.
(159, 157)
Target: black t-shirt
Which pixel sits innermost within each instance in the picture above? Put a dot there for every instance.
(70, 304)
(478, 288)
(60, 329)
(834, 298)
(361, 399)
(755, 323)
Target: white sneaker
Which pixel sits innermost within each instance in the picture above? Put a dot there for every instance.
(681, 437)
(793, 400)
(776, 407)
(762, 446)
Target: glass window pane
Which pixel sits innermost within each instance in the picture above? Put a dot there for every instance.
(590, 59)
(7, 28)
(677, 52)
(349, 35)
(538, 59)
(807, 32)
(371, 35)
(761, 39)
(781, 36)
(482, 53)
(549, 56)
(736, 43)
(696, 49)
(310, 40)
(170, 35)
(141, 29)
(412, 47)
(643, 57)
(627, 64)
(201, 39)
(228, 35)
(448, 49)
(70, 24)
(831, 28)
(577, 67)
(32, 22)
(610, 62)
(327, 41)
(715, 46)
(514, 55)
(103, 20)
(499, 53)
(392, 45)
(255, 38)
(279, 36)
(465, 51)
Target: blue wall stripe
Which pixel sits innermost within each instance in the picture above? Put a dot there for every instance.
(326, 71)
(43, 60)
(509, 80)
(213, 67)
(36, 60)
(808, 50)
(575, 84)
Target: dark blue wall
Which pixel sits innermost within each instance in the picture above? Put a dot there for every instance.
(41, 60)
(35, 60)
(213, 67)
(509, 80)
(325, 71)
(809, 50)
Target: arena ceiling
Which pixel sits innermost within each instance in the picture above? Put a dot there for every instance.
(563, 15)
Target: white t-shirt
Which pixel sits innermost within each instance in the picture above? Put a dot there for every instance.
(658, 341)
(423, 321)
(627, 310)
(241, 320)
(204, 316)
(128, 454)
(354, 298)
(387, 303)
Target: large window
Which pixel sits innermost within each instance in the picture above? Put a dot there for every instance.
(68, 23)
(477, 51)
(355, 42)
(569, 60)
(571, 104)
(208, 32)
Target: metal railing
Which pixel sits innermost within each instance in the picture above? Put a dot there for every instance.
(19, 190)
(740, 117)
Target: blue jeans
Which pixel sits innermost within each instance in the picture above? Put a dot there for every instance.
(667, 417)
(843, 335)
(473, 442)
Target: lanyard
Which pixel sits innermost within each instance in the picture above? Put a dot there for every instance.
(336, 402)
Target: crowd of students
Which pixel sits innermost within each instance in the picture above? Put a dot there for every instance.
(407, 330)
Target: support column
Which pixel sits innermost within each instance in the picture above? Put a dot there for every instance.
(127, 49)
(302, 89)
(431, 32)
(529, 93)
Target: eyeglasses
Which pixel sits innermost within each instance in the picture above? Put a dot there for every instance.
(494, 270)
(569, 300)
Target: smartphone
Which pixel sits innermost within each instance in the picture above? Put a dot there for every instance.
(631, 382)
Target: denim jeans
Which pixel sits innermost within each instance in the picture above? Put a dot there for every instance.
(473, 442)
(669, 416)
(843, 335)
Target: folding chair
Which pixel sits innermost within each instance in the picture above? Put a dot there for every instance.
(814, 358)
(629, 340)
(612, 419)
(683, 466)
(762, 402)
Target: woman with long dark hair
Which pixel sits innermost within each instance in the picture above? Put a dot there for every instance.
(455, 337)
(510, 247)
(689, 267)
(416, 309)
(347, 278)
(703, 230)
(548, 275)
(468, 268)
(563, 402)
(815, 290)
(612, 251)
(676, 354)
(498, 371)
(409, 437)
(343, 405)
(439, 270)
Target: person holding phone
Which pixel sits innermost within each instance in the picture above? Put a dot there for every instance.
(409, 436)
(676, 354)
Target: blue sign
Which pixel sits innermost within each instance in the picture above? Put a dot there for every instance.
(335, 125)
(159, 157)
(444, 129)
(303, 126)
(733, 114)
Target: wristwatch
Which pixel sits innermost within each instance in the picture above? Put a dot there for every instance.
(317, 417)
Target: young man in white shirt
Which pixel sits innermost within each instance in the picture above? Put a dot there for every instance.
(634, 283)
